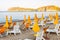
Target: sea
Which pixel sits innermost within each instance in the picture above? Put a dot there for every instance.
(20, 15)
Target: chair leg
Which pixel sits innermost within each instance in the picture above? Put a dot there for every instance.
(20, 31)
(57, 34)
(14, 33)
(7, 33)
(1, 35)
(43, 38)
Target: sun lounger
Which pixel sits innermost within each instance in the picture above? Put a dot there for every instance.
(40, 35)
(27, 39)
(15, 30)
(55, 29)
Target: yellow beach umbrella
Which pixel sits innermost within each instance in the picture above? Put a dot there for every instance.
(36, 27)
(35, 18)
(56, 19)
(56, 16)
(29, 20)
(50, 17)
(24, 18)
(6, 23)
(42, 18)
(11, 19)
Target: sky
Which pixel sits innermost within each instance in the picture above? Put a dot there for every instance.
(6, 4)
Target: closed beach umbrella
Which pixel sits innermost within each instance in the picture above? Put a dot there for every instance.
(56, 16)
(24, 18)
(35, 18)
(56, 19)
(11, 19)
(50, 17)
(2, 30)
(42, 18)
(6, 23)
(29, 20)
(55, 22)
(36, 27)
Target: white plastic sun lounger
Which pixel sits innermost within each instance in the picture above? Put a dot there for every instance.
(15, 30)
(55, 29)
(40, 35)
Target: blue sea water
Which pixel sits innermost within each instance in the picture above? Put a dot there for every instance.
(20, 15)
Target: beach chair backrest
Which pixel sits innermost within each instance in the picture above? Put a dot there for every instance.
(42, 22)
(51, 27)
(16, 28)
(40, 35)
(27, 39)
(57, 27)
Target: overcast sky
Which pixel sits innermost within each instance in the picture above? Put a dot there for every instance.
(5, 4)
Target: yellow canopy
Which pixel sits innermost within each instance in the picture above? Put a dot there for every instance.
(42, 18)
(24, 18)
(6, 24)
(11, 19)
(56, 16)
(56, 19)
(50, 16)
(29, 20)
(36, 27)
(35, 18)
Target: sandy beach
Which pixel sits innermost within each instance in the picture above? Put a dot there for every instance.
(30, 35)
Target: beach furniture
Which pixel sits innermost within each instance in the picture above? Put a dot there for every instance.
(41, 23)
(54, 30)
(50, 17)
(15, 30)
(49, 22)
(35, 18)
(29, 19)
(42, 20)
(58, 31)
(40, 35)
(27, 25)
(36, 27)
(6, 23)
(10, 19)
(24, 18)
(30, 26)
(3, 34)
(27, 39)
(3, 31)
(55, 23)
(22, 27)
